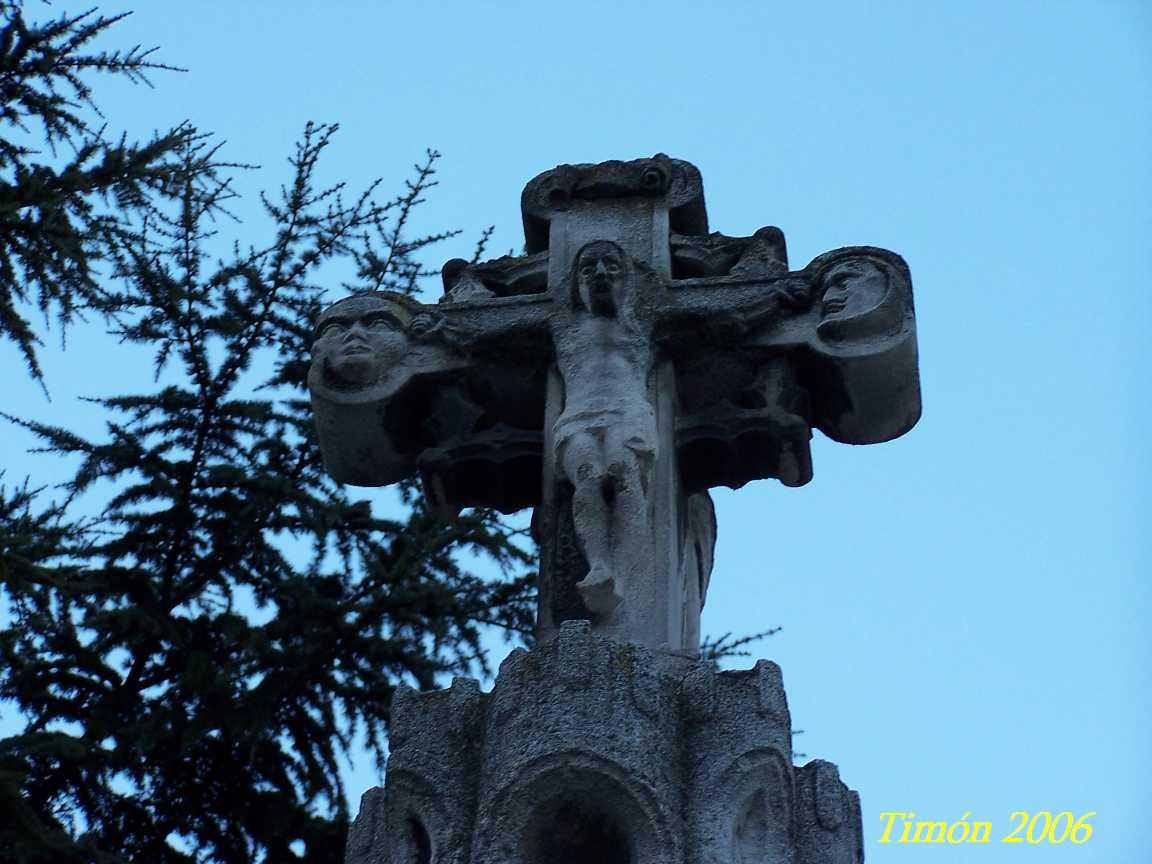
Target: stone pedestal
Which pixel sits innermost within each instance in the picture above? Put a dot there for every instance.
(590, 751)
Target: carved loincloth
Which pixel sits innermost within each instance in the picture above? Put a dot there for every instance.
(636, 417)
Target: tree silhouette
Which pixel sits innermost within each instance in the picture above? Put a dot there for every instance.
(194, 661)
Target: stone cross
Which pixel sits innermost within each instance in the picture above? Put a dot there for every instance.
(627, 363)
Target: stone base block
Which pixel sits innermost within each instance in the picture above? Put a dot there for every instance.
(589, 751)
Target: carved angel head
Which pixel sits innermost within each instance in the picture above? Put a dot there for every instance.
(860, 296)
(360, 338)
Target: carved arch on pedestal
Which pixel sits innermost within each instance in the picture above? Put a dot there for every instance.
(745, 817)
(572, 808)
(418, 827)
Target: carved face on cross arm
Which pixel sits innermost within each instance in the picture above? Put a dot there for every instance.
(359, 339)
(600, 277)
(860, 298)
(852, 289)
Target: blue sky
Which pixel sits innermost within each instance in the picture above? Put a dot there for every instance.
(965, 609)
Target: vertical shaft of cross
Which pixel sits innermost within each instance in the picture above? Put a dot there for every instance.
(612, 508)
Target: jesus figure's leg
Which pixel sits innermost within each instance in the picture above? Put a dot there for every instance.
(617, 493)
(582, 459)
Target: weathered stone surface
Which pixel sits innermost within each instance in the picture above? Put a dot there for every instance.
(592, 750)
(609, 378)
(671, 186)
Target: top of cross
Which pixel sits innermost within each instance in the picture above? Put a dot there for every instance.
(676, 184)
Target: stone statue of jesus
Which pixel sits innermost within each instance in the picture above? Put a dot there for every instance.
(605, 437)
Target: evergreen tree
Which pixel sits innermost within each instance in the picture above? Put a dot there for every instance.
(194, 662)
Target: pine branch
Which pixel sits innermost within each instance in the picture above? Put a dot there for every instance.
(723, 647)
(62, 217)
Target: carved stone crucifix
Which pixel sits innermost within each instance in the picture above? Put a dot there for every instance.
(628, 362)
